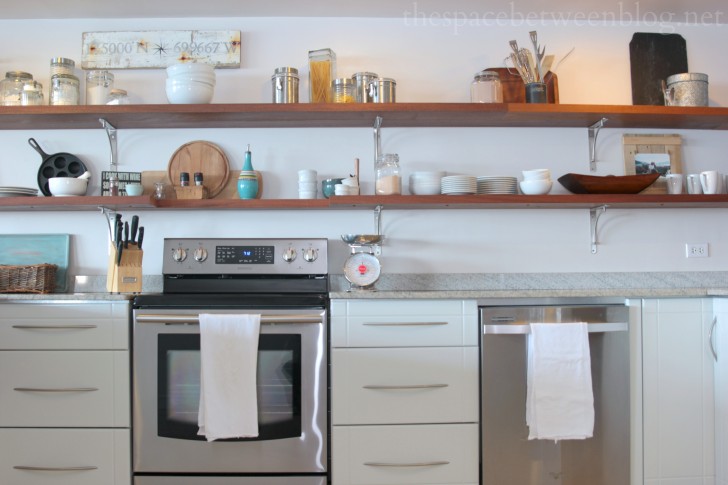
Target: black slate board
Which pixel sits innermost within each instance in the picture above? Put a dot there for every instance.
(652, 58)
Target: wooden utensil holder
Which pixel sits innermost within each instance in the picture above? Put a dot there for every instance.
(125, 277)
(193, 192)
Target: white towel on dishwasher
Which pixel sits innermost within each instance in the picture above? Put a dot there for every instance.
(228, 369)
(559, 395)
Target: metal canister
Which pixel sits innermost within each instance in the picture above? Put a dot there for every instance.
(285, 85)
(362, 80)
(382, 90)
(687, 89)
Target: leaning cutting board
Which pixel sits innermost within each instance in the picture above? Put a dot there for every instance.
(204, 157)
(652, 58)
(28, 249)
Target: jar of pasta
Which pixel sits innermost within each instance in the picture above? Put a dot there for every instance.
(322, 71)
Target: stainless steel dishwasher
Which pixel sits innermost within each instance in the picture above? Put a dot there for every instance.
(508, 457)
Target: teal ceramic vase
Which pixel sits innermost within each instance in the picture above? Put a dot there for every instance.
(248, 179)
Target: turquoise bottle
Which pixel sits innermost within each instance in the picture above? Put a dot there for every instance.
(248, 179)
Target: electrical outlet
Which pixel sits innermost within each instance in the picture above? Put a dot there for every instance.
(696, 250)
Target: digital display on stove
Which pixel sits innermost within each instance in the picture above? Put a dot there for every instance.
(244, 254)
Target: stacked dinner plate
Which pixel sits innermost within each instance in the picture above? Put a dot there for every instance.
(458, 185)
(17, 192)
(497, 185)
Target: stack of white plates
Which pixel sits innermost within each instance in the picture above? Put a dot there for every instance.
(458, 185)
(425, 183)
(17, 192)
(497, 185)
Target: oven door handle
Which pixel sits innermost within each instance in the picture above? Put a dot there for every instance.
(182, 319)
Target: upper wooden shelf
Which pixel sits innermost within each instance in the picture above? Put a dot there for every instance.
(306, 115)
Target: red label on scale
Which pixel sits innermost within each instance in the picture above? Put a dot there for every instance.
(362, 269)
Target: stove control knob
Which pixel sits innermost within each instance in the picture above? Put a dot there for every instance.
(179, 254)
(289, 255)
(200, 255)
(310, 254)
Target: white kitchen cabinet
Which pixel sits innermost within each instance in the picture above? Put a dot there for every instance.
(720, 346)
(678, 388)
(64, 393)
(404, 392)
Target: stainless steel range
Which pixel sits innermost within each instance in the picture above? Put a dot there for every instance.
(285, 282)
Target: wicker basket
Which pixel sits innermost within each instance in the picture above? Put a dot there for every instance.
(36, 278)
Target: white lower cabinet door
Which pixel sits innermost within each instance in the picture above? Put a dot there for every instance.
(65, 456)
(437, 454)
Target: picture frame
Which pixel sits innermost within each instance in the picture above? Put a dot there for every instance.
(649, 153)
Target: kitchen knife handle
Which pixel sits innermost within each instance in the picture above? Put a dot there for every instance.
(141, 237)
(126, 234)
(134, 228)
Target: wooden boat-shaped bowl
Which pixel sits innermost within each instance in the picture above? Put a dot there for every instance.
(610, 184)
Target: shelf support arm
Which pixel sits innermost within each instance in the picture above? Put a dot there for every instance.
(111, 133)
(377, 138)
(378, 228)
(593, 133)
(594, 214)
(110, 216)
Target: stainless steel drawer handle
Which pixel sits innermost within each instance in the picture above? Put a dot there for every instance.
(424, 463)
(54, 327)
(175, 319)
(412, 386)
(403, 324)
(56, 468)
(59, 389)
(525, 329)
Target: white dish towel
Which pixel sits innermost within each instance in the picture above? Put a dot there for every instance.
(559, 395)
(229, 364)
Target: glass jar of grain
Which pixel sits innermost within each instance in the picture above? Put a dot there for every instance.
(322, 70)
(389, 180)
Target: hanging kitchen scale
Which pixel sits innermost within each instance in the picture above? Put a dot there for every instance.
(362, 268)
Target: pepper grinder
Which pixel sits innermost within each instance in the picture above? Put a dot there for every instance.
(248, 179)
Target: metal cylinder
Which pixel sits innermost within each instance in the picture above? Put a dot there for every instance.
(285, 85)
(687, 89)
(362, 80)
(382, 90)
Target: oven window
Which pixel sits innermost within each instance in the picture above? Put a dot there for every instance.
(279, 386)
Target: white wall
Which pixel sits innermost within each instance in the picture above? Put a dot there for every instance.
(432, 63)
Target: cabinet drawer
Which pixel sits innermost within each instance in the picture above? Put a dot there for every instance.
(403, 323)
(64, 388)
(102, 457)
(433, 454)
(64, 325)
(404, 385)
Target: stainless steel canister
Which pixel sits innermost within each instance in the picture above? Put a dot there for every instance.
(687, 89)
(362, 80)
(382, 90)
(285, 85)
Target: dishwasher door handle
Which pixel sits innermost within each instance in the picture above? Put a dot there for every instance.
(525, 329)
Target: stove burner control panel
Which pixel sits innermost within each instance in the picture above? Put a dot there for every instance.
(245, 256)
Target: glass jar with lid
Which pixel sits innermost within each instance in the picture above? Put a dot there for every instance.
(388, 176)
(64, 90)
(11, 88)
(343, 90)
(322, 70)
(118, 96)
(486, 88)
(32, 94)
(98, 86)
(62, 65)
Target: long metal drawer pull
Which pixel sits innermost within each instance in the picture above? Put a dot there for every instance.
(55, 327)
(56, 468)
(195, 319)
(525, 329)
(710, 338)
(59, 389)
(424, 463)
(403, 324)
(412, 386)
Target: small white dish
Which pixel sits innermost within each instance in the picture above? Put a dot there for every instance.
(536, 187)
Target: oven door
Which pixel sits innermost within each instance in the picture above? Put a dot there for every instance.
(292, 386)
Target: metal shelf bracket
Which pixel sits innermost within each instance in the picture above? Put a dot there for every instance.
(594, 214)
(378, 228)
(111, 132)
(593, 133)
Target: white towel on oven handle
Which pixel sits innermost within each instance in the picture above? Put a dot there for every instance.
(228, 370)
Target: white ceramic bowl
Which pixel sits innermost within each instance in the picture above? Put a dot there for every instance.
(67, 186)
(191, 92)
(184, 68)
(424, 189)
(536, 187)
(537, 174)
(134, 190)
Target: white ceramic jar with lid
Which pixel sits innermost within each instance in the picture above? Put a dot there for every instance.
(486, 88)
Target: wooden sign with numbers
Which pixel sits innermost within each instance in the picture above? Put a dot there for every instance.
(159, 49)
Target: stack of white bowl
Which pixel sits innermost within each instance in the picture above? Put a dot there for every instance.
(190, 83)
(536, 181)
(425, 183)
(307, 185)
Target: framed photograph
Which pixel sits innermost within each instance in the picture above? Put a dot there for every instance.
(652, 154)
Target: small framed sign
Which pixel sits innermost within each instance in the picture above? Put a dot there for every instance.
(124, 178)
(160, 49)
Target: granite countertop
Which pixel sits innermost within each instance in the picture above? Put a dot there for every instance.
(467, 286)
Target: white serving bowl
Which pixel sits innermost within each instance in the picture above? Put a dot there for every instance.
(191, 92)
(424, 189)
(537, 174)
(194, 78)
(536, 187)
(67, 186)
(184, 68)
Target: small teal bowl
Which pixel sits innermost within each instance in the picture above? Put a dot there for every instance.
(327, 186)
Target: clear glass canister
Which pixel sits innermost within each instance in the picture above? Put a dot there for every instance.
(486, 88)
(118, 96)
(388, 176)
(98, 86)
(32, 94)
(342, 90)
(11, 88)
(362, 80)
(62, 65)
(64, 90)
(322, 70)
(285, 85)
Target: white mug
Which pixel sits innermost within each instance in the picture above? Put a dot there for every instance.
(693, 183)
(709, 181)
(674, 183)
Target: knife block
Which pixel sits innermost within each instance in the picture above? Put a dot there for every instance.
(125, 277)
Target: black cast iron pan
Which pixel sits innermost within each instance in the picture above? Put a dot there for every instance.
(56, 165)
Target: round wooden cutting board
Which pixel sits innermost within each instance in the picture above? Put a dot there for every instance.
(200, 156)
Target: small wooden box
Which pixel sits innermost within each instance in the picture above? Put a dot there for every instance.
(192, 192)
(125, 277)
